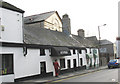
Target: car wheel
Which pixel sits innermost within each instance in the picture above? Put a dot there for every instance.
(109, 67)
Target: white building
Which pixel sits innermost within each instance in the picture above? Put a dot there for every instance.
(30, 51)
(118, 38)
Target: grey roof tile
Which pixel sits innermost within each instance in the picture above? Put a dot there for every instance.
(105, 42)
(84, 41)
(42, 36)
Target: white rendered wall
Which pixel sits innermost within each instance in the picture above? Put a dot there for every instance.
(83, 56)
(7, 78)
(29, 65)
(11, 22)
(18, 58)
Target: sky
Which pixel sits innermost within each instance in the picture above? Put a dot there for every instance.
(84, 14)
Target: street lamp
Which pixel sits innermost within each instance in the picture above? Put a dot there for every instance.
(99, 39)
(99, 31)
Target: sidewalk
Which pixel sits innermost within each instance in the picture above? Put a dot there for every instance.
(67, 75)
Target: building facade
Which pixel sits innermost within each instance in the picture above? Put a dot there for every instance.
(106, 52)
(36, 42)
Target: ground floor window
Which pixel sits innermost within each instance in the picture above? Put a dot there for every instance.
(6, 66)
(62, 63)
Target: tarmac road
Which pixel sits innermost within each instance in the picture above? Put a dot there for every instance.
(106, 75)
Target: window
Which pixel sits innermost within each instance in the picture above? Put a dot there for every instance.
(90, 51)
(49, 51)
(86, 50)
(80, 51)
(74, 51)
(42, 52)
(6, 66)
(62, 63)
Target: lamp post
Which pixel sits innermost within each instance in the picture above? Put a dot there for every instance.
(99, 39)
(99, 31)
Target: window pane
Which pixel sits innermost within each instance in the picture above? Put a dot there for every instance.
(74, 51)
(62, 63)
(7, 64)
(42, 51)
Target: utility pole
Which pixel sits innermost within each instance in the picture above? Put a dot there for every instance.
(99, 41)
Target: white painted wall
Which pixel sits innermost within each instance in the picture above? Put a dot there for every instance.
(54, 19)
(30, 64)
(12, 23)
(83, 56)
(91, 55)
(7, 78)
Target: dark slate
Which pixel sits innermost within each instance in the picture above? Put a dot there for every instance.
(6, 5)
(93, 39)
(105, 42)
(84, 41)
(42, 36)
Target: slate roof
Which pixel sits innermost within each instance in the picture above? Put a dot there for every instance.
(38, 17)
(105, 42)
(83, 41)
(93, 39)
(42, 36)
(6, 5)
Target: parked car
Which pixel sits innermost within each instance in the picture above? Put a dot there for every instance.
(114, 63)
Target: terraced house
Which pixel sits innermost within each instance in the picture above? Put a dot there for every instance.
(29, 45)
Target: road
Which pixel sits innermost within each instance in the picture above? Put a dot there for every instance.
(107, 75)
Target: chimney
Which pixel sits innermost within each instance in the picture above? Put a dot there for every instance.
(66, 24)
(81, 33)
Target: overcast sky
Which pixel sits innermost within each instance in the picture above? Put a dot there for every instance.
(84, 14)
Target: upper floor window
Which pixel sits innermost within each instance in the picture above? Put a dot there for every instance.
(74, 51)
(42, 52)
(80, 51)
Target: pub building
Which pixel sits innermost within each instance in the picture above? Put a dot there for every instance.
(37, 40)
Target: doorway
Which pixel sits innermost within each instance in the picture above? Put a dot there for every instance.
(68, 64)
(81, 61)
(74, 63)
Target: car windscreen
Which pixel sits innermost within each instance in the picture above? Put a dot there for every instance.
(113, 60)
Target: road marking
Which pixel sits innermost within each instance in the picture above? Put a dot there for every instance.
(75, 76)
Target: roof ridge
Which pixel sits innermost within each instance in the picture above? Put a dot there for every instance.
(40, 14)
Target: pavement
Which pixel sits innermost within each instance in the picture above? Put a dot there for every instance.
(66, 75)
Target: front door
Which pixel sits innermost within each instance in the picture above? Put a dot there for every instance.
(43, 67)
(74, 63)
(68, 64)
(81, 61)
